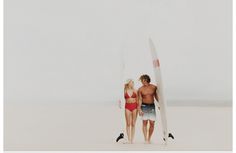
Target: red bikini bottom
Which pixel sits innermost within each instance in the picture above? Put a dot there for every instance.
(131, 106)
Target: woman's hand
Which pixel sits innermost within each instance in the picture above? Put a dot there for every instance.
(119, 103)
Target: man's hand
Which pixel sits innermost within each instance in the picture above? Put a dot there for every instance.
(140, 112)
(158, 105)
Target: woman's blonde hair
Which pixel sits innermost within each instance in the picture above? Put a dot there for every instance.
(127, 84)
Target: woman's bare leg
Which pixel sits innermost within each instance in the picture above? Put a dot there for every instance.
(134, 117)
(128, 123)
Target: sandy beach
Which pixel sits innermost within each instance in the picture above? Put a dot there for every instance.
(75, 126)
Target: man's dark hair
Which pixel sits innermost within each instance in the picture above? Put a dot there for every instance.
(145, 77)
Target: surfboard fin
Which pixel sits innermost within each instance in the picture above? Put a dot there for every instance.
(121, 136)
(171, 136)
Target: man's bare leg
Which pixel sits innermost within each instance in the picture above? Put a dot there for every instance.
(145, 122)
(134, 117)
(151, 129)
(128, 123)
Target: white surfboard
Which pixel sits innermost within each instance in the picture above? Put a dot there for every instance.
(162, 102)
(121, 102)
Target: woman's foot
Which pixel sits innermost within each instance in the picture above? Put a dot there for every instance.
(127, 142)
(147, 142)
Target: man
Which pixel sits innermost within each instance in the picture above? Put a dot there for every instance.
(146, 107)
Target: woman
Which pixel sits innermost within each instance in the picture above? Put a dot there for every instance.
(131, 104)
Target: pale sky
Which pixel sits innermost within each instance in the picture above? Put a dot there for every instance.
(71, 50)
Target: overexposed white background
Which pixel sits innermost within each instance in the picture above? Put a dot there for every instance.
(37, 69)
(71, 51)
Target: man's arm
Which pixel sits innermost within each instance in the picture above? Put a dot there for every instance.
(156, 94)
(139, 102)
(157, 97)
(139, 99)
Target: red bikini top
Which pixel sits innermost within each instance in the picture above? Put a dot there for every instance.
(133, 95)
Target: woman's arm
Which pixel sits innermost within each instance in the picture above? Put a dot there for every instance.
(135, 91)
